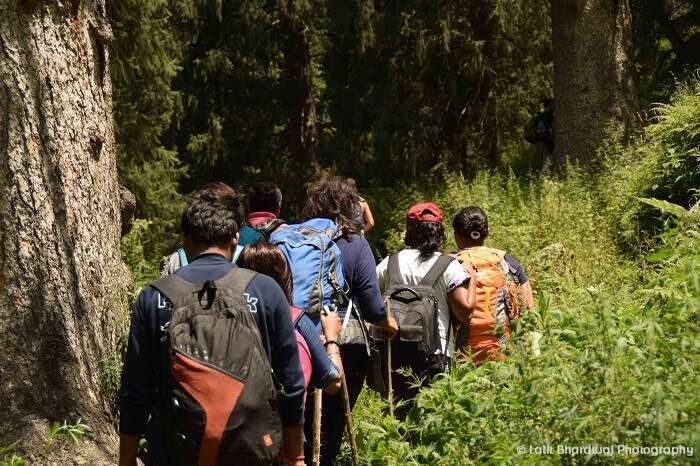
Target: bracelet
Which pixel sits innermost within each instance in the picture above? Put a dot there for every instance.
(330, 342)
(333, 353)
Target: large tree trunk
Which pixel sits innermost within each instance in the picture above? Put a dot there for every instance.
(594, 77)
(62, 280)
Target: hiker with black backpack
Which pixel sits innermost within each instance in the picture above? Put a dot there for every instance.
(499, 275)
(426, 291)
(211, 374)
(333, 199)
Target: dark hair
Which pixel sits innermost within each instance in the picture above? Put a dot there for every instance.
(472, 223)
(213, 215)
(264, 196)
(333, 198)
(427, 237)
(264, 257)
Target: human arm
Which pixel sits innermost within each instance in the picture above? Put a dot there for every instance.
(325, 371)
(516, 270)
(332, 326)
(365, 288)
(139, 375)
(461, 298)
(527, 295)
(292, 451)
(367, 215)
(128, 449)
(275, 321)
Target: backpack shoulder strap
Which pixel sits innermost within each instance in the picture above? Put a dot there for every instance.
(296, 314)
(268, 227)
(183, 257)
(237, 279)
(394, 270)
(436, 270)
(175, 288)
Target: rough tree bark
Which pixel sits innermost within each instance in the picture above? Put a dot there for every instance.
(62, 281)
(594, 76)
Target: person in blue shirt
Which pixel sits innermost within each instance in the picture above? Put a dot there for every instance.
(335, 199)
(210, 232)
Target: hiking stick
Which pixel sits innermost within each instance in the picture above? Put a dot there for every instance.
(318, 399)
(390, 390)
(348, 421)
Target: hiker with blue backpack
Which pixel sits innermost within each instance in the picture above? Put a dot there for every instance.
(332, 268)
(212, 374)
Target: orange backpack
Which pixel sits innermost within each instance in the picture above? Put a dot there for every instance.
(488, 330)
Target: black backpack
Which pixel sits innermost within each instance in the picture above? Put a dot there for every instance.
(219, 399)
(415, 307)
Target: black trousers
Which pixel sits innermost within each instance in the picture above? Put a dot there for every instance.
(355, 365)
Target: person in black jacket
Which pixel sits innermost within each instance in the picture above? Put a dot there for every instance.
(210, 233)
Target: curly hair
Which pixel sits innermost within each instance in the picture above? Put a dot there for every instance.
(213, 215)
(427, 237)
(264, 257)
(335, 199)
(471, 223)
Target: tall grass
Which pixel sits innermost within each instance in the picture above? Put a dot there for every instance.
(619, 357)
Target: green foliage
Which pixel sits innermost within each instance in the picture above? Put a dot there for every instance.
(663, 163)
(145, 60)
(8, 458)
(13, 460)
(71, 432)
(143, 269)
(610, 354)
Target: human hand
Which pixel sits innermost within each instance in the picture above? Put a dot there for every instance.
(390, 327)
(332, 325)
(292, 462)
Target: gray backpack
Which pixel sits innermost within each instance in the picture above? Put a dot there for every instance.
(219, 399)
(415, 307)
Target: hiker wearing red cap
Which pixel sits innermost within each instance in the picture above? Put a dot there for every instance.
(421, 281)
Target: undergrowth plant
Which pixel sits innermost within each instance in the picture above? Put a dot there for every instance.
(70, 432)
(609, 357)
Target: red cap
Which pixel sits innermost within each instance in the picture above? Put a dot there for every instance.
(424, 212)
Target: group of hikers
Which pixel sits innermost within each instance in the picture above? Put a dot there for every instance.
(253, 317)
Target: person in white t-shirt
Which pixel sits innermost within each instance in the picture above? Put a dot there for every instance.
(455, 292)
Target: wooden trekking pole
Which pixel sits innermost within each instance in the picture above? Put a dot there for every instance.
(390, 390)
(348, 421)
(318, 400)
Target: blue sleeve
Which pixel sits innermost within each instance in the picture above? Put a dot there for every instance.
(277, 332)
(323, 371)
(516, 269)
(140, 372)
(364, 288)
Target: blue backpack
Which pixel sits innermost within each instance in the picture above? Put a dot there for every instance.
(315, 262)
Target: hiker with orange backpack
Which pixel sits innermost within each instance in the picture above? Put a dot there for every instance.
(501, 286)
(198, 376)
